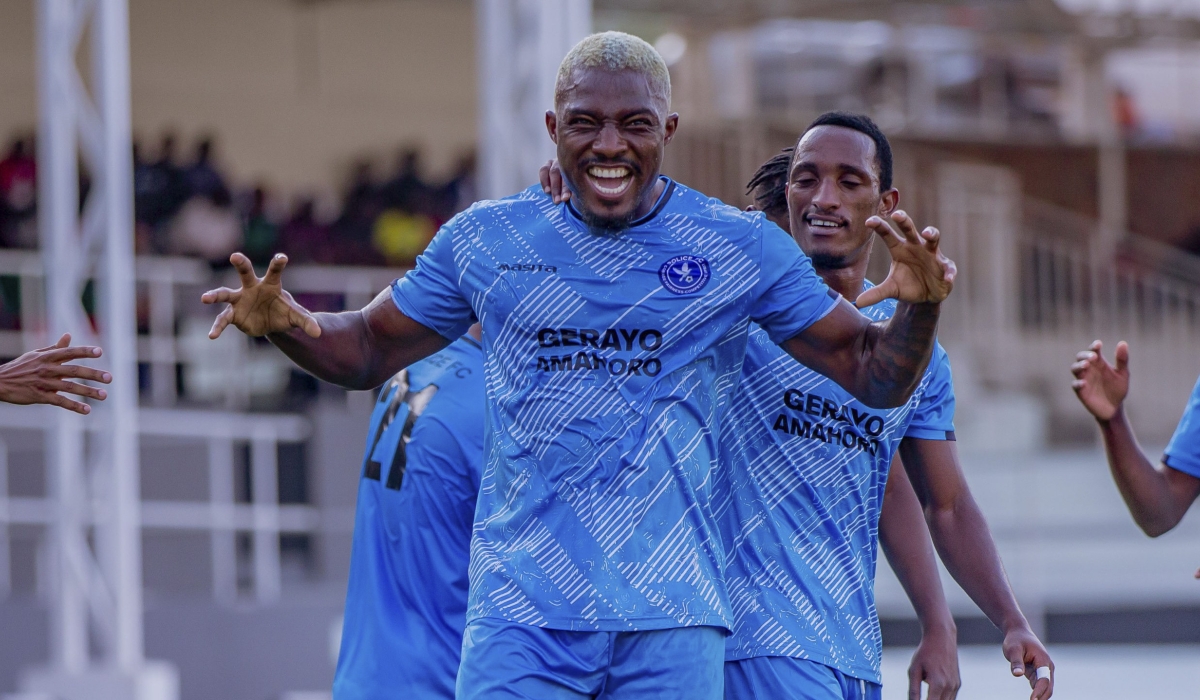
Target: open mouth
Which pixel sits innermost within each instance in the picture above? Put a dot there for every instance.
(610, 180)
(824, 224)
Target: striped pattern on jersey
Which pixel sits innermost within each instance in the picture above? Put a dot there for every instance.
(800, 514)
(604, 388)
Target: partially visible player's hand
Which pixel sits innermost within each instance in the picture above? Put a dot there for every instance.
(920, 273)
(1026, 654)
(552, 182)
(39, 375)
(261, 306)
(935, 663)
(1101, 387)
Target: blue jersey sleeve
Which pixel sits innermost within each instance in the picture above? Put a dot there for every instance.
(1183, 452)
(430, 294)
(791, 295)
(933, 418)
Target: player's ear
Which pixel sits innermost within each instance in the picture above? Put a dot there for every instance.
(669, 126)
(889, 201)
(552, 125)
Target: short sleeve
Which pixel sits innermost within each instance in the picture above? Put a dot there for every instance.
(1183, 452)
(933, 418)
(791, 296)
(430, 294)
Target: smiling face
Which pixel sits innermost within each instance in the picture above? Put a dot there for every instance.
(611, 133)
(833, 188)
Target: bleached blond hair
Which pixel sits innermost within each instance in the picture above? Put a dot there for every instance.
(615, 51)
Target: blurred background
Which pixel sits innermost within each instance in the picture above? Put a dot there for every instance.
(1055, 143)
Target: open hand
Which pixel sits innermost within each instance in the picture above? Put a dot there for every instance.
(39, 375)
(1026, 655)
(553, 183)
(1101, 387)
(936, 663)
(920, 273)
(261, 306)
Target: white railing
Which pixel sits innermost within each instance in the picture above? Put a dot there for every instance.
(221, 515)
(226, 374)
(174, 325)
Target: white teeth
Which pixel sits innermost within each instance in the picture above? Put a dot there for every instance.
(608, 173)
(823, 224)
(611, 190)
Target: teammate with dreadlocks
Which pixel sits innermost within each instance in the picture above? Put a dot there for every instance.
(809, 463)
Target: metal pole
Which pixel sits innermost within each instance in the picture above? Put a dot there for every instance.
(110, 39)
(520, 43)
(58, 201)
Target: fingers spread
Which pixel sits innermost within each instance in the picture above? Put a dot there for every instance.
(223, 320)
(1122, 356)
(885, 231)
(81, 372)
(274, 274)
(64, 402)
(907, 228)
(885, 290)
(306, 322)
(224, 295)
(244, 269)
(80, 390)
(64, 341)
(932, 238)
(81, 352)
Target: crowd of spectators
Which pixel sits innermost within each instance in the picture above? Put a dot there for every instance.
(189, 206)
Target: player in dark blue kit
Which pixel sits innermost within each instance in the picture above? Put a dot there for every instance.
(809, 464)
(406, 601)
(614, 327)
(1158, 497)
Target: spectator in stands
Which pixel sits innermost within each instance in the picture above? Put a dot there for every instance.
(158, 192)
(304, 238)
(260, 230)
(459, 192)
(361, 206)
(201, 177)
(206, 225)
(18, 196)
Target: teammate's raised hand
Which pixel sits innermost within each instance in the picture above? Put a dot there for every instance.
(39, 375)
(920, 273)
(1030, 659)
(261, 306)
(1101, 387)
(553, 183)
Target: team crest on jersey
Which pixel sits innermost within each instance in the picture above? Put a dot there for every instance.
(684, 274)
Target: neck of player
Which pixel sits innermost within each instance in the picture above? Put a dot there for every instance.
(845, 277)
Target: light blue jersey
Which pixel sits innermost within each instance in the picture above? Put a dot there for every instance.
(1183, 452)
(808, 464)
(609, 360)
(407, 597)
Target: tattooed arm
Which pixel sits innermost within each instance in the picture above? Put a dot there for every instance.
(881, 363)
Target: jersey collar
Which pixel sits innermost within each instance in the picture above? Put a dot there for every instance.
(654, 211)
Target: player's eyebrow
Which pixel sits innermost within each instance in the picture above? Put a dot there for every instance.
(634, 112)
(842, 168)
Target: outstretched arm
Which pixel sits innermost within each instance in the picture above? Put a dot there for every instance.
(905, 542)
(354, 349)
(881, 363)
(1157, 496)
(965, 545)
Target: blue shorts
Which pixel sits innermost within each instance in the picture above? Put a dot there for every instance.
(784, 678)
(508, 660)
